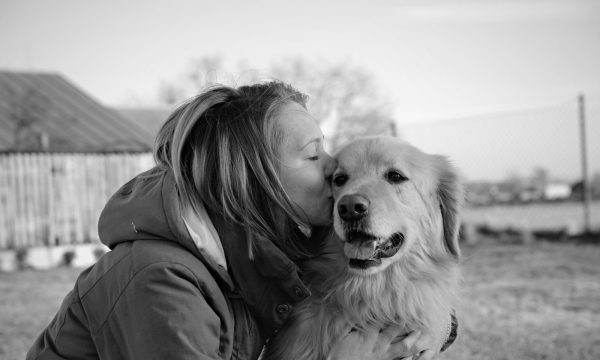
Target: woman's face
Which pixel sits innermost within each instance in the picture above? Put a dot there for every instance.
(305, 166)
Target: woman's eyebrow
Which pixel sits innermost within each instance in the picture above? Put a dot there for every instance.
(313, 140)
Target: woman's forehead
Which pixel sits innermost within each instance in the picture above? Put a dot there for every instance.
(298, 125)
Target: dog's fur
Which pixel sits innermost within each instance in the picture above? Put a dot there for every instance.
(415, 287)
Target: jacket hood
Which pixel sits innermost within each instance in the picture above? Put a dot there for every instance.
(144, 208)
(147, 208)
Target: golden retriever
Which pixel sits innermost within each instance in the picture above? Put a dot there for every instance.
(396, 213)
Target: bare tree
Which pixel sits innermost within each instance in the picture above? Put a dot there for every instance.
(512, 185)
(201, 72)
(539, 177)
(345, 99)
(169, 93)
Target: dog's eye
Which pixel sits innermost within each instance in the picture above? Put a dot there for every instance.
(395, 177)
(340, 180)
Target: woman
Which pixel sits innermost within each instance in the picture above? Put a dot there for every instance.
(203, 245)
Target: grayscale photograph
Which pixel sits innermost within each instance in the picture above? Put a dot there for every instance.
(315, 180)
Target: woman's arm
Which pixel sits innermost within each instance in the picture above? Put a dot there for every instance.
(163, 314)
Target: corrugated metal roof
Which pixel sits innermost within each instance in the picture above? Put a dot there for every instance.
(150, 119)
(45, 112)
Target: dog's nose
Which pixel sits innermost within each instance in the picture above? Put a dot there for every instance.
(353, 207)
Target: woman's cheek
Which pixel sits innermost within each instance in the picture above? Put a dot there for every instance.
(318, 182)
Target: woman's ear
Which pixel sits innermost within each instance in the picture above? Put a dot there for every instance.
(450, 196)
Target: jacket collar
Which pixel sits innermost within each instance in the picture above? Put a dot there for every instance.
(178, 226)
(204, 234)
(147, 207)
(269, 284)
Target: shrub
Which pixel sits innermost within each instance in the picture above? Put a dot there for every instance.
(68, 257)
(21, 257)
(98, 252)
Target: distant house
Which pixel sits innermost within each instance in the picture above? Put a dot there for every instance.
(557, 191)
(530, 194)
(150, 118)
(62, 155)
(44, 112)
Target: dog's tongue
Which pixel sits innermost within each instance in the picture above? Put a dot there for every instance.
(369, 248)
(360, 249)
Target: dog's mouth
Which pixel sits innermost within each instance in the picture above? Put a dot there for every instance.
(383, 249)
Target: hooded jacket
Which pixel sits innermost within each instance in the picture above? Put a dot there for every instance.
(161, 294)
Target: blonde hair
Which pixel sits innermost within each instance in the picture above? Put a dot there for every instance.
(222, 147)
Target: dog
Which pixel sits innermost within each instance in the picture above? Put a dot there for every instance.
(396, 259)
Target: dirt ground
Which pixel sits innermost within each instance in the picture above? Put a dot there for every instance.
(539, 301)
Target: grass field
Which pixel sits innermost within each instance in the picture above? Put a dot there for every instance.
(28, 302)
(540, 301)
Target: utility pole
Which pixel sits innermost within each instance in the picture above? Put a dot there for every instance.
(587, 191)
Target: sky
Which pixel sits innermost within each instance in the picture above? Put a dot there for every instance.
(439, 61)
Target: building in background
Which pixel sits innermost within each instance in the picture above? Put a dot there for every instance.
(150, 118)
(42, 112)
(62, 155)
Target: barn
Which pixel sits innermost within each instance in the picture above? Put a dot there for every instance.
(62, 155)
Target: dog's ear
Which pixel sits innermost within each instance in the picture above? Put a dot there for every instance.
(450, 195)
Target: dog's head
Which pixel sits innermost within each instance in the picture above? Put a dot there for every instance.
(391, 200)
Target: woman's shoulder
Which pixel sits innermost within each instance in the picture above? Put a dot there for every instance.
(151, 283)
(162, 254)
(148, 252)
(145, 261)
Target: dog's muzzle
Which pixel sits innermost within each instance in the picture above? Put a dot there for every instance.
(353, 207)
(364, 250)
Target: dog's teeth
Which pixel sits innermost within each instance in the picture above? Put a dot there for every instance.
(391, 247)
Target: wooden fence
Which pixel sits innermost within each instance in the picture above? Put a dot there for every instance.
(55, 199)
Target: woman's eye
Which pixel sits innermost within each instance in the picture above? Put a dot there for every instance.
(395, 177)
(314, 158)
(340, 180)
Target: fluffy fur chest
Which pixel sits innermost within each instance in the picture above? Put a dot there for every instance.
(397, 296)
